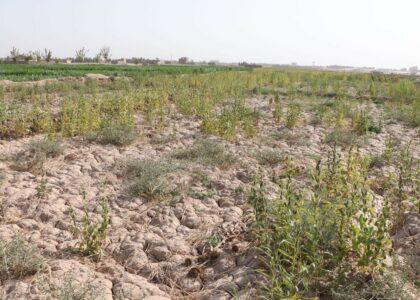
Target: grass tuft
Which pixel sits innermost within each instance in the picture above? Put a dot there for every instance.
(18, 259)
(206, 152)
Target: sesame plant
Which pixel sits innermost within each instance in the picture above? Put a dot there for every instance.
(91, 234)
(310, 245)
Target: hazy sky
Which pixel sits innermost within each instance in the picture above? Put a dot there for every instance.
(381, 33)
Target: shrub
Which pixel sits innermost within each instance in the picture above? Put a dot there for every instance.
(269, 157)
(115, 135)
(18, 259)
(206, 152)
(150, 178)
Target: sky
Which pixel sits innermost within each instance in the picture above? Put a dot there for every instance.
(378, 33)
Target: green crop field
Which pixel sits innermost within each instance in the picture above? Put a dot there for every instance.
(25, 72)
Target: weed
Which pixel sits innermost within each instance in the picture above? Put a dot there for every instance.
(92, 235)
(214, 240)
(363, 123)
(293, 115)
(277, 113)
(42, 189)
(49, 146)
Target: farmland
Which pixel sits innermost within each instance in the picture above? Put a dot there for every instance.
(28, 72)
(208, 183)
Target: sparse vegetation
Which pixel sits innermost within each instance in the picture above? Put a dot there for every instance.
(336, 155)
(69, 289)
(18, 259)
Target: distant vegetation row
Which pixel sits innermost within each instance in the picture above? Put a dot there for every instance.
(32, 72)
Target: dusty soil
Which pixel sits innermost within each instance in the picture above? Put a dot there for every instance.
(194, 245)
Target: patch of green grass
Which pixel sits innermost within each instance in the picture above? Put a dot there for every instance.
(19, 259)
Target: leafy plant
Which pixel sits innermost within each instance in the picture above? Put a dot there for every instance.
(293, 115)
(92, 235)
(42, 189)
(307, 243)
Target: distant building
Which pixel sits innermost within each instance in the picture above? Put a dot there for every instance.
(413, 70)
(249, 65)
(121, 61)
(183, 60)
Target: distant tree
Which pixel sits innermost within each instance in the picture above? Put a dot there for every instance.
(37, 55)
(14, 54)
(105, 53)
(183, 60)
(97, 58)
(136, 60)
(81, 55)
(47, 55)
